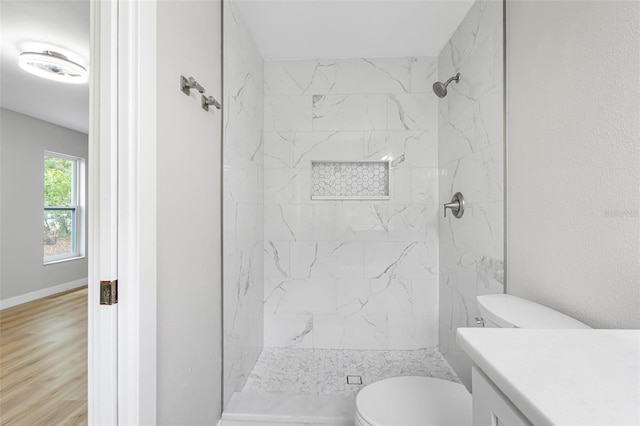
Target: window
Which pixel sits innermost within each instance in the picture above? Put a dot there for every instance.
(63, 198)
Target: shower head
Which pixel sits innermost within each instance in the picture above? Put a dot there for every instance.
(440, 89)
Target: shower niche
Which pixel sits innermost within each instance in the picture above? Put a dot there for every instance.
(350, 180)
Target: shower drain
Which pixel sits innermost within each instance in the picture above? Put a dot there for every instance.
(354, 380)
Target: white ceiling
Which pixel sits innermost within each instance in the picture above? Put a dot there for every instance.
(62, 26)
(303, 29)
(290, 29)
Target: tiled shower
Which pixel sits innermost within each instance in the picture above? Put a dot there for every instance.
(322, 285)
(345, 273)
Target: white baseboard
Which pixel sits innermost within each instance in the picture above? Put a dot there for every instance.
(39, 294)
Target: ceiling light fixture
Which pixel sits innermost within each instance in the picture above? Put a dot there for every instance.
(54, 66)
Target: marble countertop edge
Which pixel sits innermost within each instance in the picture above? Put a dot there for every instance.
(519, 361)
(536, 416)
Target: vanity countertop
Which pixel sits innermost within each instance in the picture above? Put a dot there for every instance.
(562, 377)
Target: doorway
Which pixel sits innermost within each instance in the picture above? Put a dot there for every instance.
(44, 262)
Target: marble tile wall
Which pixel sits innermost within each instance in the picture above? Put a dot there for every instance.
(243, 186)
(471, 161)
(351, 274)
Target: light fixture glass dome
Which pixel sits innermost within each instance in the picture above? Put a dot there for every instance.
(53, 66)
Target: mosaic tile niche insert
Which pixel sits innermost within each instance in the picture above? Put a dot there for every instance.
(349, 180)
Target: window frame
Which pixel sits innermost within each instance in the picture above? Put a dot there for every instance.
(77, 208)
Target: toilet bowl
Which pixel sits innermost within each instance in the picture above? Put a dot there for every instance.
(413, 401)
(425, 401)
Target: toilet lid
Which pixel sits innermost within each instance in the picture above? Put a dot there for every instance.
(414, 401)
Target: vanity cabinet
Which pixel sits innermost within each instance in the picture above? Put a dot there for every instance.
(490, 406)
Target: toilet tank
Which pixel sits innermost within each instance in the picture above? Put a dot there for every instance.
(507, 311)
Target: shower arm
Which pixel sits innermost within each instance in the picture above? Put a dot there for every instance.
(455, 77)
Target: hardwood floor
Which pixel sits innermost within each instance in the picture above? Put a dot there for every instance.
(43, 361)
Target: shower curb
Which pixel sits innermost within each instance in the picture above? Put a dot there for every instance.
(275, 409)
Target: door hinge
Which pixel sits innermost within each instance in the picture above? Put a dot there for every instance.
(109, 292)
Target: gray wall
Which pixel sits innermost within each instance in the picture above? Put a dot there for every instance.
(573, 218)
(189, 325)
(23, 140)
(470, 155)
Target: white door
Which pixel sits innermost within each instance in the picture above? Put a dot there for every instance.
(122, 349)
(103, 217)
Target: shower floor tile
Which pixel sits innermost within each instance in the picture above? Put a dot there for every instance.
(325, 371)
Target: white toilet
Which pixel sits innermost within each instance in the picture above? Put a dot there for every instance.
(425, 401)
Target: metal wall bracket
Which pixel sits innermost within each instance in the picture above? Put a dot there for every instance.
(206, 101)
(109, 292)
(186, 84)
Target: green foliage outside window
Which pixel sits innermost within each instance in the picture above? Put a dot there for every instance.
(58, 192)
(58, 181)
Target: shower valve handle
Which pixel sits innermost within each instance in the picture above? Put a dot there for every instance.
(456, 205)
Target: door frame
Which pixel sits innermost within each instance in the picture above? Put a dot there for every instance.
(122, 212)
(102, 214)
